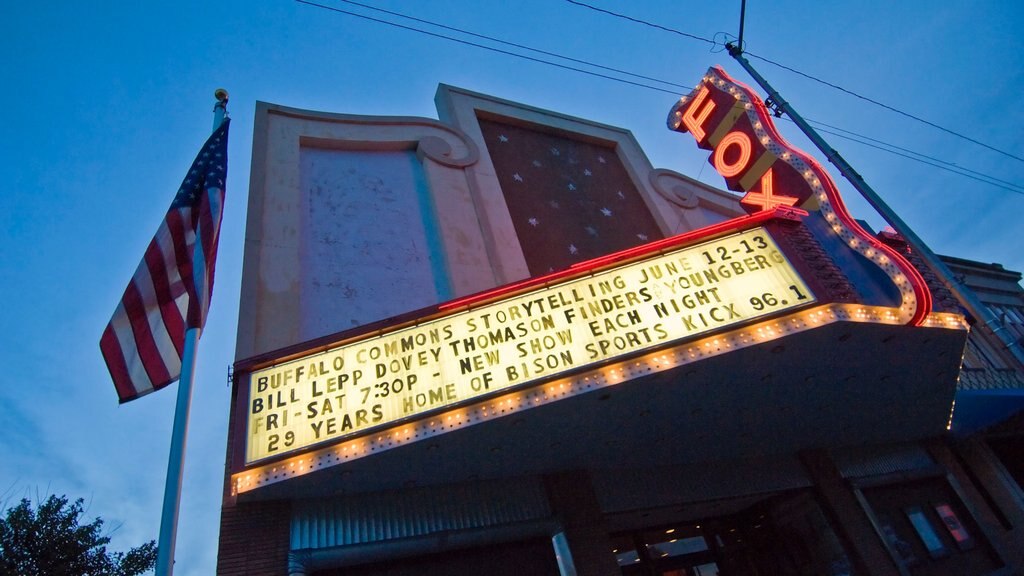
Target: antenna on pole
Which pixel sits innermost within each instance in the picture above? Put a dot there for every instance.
(743, 13)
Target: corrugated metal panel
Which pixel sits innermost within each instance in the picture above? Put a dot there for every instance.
(990, 379)
(881, 460)
(365, 518)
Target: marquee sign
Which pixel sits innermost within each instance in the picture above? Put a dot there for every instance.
(532, 336)
(656, 307)
(731, 120)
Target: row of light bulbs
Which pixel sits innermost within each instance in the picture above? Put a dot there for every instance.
(571, 386)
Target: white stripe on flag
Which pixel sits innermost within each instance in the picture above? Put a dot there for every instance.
(126, 341)
(165, 240)
(157, 329)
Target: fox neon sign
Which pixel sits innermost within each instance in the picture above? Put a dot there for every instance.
(729, 119)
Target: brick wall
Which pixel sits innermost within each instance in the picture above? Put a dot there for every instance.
(255, 536)
(254, 539)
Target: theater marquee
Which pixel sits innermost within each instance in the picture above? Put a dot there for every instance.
(523, 339)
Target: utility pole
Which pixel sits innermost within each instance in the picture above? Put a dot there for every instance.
(975, 307)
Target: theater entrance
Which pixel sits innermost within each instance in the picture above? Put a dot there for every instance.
(785, 535)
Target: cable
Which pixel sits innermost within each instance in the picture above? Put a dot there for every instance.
(889, 146)
(644, 22)
(808, 76)
(885, 146)
(886, 106)
(513, 44)
(942, 166)
(491, 48)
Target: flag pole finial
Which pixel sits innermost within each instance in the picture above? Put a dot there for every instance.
(220, 109)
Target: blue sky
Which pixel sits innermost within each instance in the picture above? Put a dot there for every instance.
(106, 104)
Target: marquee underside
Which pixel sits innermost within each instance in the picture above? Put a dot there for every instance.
(842, 384)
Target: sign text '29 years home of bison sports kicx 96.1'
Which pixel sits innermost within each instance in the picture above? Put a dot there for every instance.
(529, 337)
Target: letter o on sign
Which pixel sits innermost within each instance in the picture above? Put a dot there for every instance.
(740, 140)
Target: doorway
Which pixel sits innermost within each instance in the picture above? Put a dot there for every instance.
(783, 535)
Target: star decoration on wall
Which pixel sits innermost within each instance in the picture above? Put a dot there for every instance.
(573, 186)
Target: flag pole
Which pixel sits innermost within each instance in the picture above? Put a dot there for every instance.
(176, 459)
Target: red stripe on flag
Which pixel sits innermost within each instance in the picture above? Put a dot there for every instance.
(165, 295)
(114, 357)
(207, 238)
(144, 343)
(179, 228)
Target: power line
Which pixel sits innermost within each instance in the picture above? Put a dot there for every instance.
(916, 157)
(888, 147)
(513, 44)
(808, 76)
(854, 137)
(644, 22)
(885, 106)
(485, 47)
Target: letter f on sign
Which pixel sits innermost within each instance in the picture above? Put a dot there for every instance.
(693, 118)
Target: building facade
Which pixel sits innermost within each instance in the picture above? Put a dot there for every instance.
(502, 342)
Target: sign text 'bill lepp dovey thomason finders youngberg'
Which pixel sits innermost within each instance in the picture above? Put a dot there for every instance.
(526, 338)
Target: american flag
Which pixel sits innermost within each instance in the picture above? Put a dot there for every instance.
(171, 289)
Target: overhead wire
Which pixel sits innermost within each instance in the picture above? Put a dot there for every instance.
(482, 46)
(809, 77)
(940, 164)
(644, 22)
(889, 147)
(851, 136)
(515, 45)
(883, 105)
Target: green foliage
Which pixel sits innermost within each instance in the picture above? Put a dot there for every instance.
(49, 541)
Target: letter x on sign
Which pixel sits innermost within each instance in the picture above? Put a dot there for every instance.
(765, 198)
